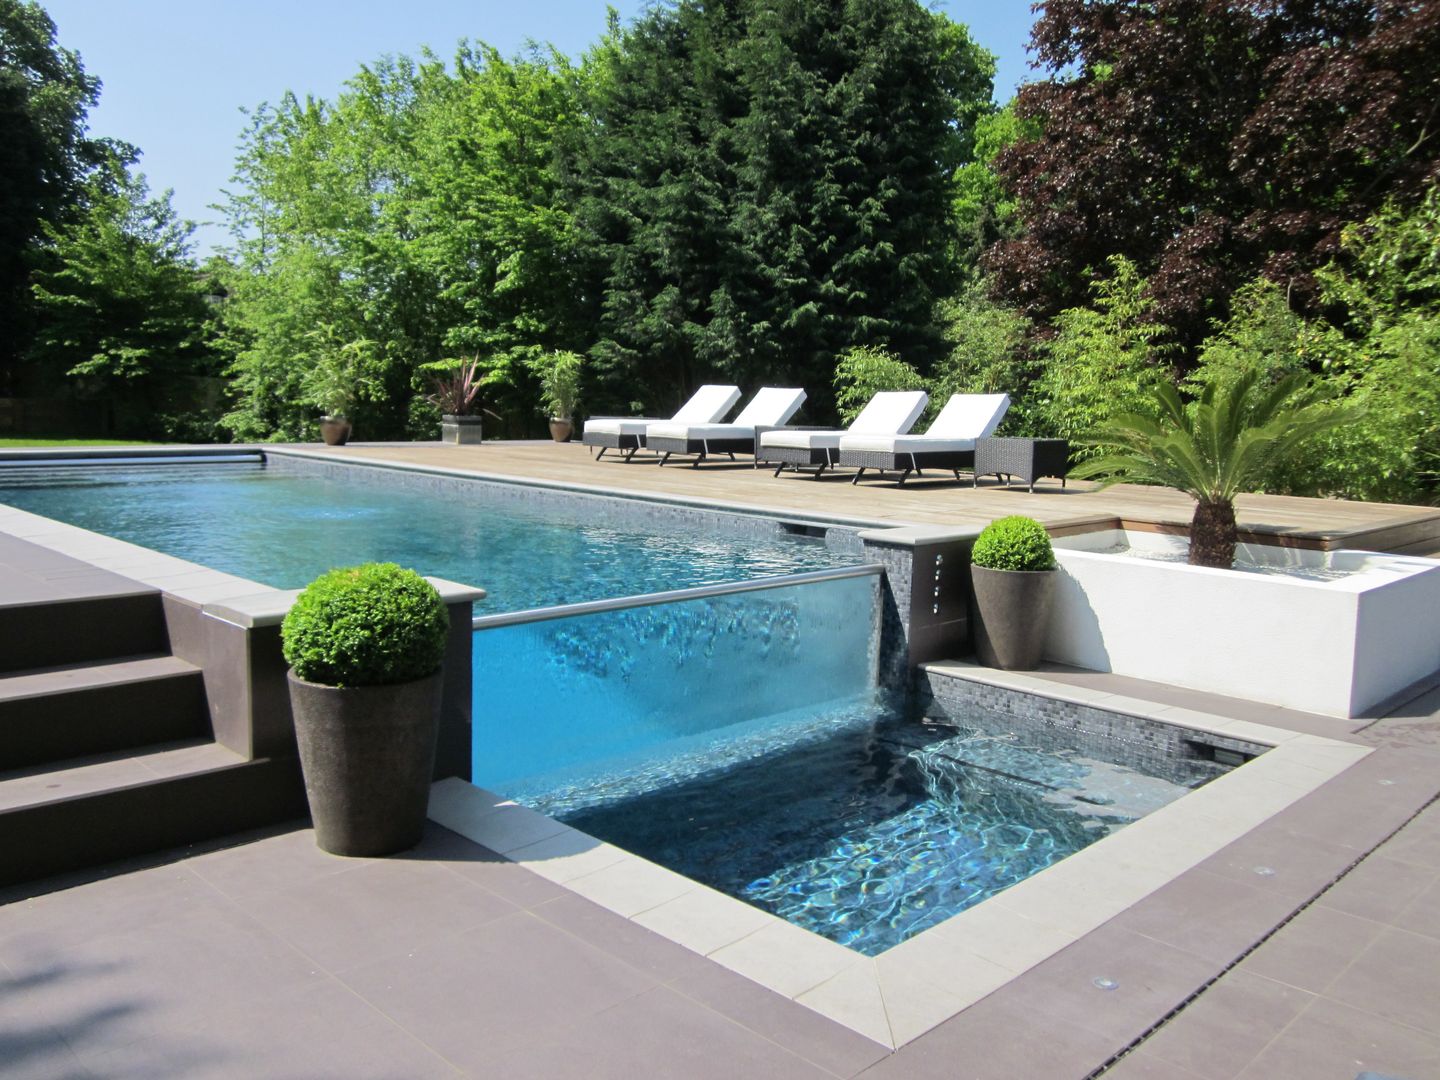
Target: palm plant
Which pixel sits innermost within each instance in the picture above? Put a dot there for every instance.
(1223, 443)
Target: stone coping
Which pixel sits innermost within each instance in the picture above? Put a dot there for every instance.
(899, 995)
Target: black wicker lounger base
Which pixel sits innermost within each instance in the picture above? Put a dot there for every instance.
(889, 461)
(797, 457)
(611, 440)
(666, 445)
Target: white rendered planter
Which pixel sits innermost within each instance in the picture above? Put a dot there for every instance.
(1334, 646)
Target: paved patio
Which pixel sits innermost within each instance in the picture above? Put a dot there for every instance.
(269, 958)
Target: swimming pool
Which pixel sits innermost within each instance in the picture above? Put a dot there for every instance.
(283, 530)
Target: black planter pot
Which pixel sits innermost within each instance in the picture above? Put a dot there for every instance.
(1012, 610)
(368, 755)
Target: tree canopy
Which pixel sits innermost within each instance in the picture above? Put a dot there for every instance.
(1210, 140)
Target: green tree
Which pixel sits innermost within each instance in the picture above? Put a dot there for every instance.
(1103, 360)
(46, 158)
(990, 353)
(121, 310)
(864, 371)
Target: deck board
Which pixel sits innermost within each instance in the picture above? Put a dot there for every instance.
(935, 500)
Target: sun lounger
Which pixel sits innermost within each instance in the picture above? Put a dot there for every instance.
(888, 413)
(707, 406)
(948, 444)
(772, 407)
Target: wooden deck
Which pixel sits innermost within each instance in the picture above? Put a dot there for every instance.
(934, 500)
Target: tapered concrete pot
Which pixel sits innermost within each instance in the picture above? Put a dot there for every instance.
(1012, 609)
(368, 755)
(335, 430)
(561, 429)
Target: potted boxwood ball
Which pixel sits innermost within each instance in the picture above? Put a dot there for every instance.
(364, 645)
(1012, 568)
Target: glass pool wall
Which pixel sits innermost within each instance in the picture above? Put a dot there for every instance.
(589, 707)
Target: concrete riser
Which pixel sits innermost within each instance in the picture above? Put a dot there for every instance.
(81, 631)
(38, 841)
(100, 719)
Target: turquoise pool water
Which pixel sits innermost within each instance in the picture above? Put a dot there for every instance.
(284, 530)
(866, 826)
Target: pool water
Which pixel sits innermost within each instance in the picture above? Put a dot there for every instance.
(873, 832)
(283, 531)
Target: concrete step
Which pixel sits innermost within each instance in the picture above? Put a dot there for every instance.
(55, 631)
(93, 810)
(79, 709)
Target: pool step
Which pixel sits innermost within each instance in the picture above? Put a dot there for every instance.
(83, 812)
(117, 618)
(78, 709)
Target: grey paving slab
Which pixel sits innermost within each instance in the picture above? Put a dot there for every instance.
(1314, 949)
(319, 1032)
(627, 941)
(1229, 1025)
(1397, 977)
(374, 910)
(1330, 1041)
(658, 1033)
(514, 982)
(1422, 915)
(999, 1039)
(1218, 918)
(485, 867)
(808, 1034)
(1379, 888)
(1142, 1065)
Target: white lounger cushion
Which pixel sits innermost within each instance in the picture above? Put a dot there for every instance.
(619, 425)
(706, 406)
(771, 407)
(965, 419)
(889, 412)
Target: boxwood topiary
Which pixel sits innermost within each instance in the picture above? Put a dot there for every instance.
(369, 625)
(1013, 543)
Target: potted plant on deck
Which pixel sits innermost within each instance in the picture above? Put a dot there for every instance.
(1012, 570)
(559, 374)
(365, 645)
(455, 392)
(335, 378)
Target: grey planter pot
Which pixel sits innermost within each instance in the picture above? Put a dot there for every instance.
(462, 430)
(368, 755)
(1012, 609)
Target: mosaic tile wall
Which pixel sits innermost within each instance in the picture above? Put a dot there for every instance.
(599, 509)
(1129, 740)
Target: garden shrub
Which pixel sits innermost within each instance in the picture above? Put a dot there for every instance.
(1013, 543)
(369, 625)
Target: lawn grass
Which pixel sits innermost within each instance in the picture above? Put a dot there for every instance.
(9, 443)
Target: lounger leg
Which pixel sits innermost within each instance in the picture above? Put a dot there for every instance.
(696, 463)
(732, 455)
(665, 458)
(1032, 487)
(633, 451)
(779, 468)
(903, 475)
(601, 453)
(820, 470)
(856, 478)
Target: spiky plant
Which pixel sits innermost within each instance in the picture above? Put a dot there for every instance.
(1223, 443)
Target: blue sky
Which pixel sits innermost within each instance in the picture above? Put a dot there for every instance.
(177, 72)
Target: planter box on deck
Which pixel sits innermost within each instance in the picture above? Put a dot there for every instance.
(1327, 646)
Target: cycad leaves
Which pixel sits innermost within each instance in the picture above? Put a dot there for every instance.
(1223, 443)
